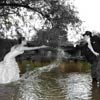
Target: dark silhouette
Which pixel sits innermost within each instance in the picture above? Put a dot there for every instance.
(90, 49)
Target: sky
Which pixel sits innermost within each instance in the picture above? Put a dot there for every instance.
(89, 12)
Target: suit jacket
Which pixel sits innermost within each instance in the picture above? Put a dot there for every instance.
(85, 51)
(95, 41)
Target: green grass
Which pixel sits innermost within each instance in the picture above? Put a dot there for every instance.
(79, 66)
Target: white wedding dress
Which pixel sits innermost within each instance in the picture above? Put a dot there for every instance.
(9, 69)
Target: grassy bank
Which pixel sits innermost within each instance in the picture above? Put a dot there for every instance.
(79, 66)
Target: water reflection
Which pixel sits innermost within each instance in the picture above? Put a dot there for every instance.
(53, 85)
(73, 86)
(78, 86)
(95, 92)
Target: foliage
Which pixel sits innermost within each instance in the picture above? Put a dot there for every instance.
(19, 17)
(52, 37)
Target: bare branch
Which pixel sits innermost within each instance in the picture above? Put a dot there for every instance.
(25, 6)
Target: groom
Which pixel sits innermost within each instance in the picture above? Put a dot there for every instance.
(91, 51)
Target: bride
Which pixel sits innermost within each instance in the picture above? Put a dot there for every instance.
(9, 69)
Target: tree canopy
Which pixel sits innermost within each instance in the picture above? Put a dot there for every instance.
(27, 17)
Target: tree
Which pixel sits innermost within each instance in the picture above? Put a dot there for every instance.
(63, 17)
(52, 37)
(19, 16)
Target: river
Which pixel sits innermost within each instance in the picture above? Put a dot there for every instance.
(42, 84)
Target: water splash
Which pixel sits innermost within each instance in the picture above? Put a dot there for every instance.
(29, 86)
(61, 54)
(43, 85)
(46, 84)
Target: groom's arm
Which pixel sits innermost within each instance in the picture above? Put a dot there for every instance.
(91, 48)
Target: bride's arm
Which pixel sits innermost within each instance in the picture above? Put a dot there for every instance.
(34, 48)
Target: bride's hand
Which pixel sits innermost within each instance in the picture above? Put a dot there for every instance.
(97, 54)
(43, 46)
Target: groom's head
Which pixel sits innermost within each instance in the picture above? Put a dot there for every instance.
(87, 33)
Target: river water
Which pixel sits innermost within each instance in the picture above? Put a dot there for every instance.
(42, 84)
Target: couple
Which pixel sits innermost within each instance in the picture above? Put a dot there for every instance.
(91, 50)
(9, 69)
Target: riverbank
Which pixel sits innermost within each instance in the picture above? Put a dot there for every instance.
(68, 66)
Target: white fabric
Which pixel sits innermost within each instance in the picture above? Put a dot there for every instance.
(9, 69)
